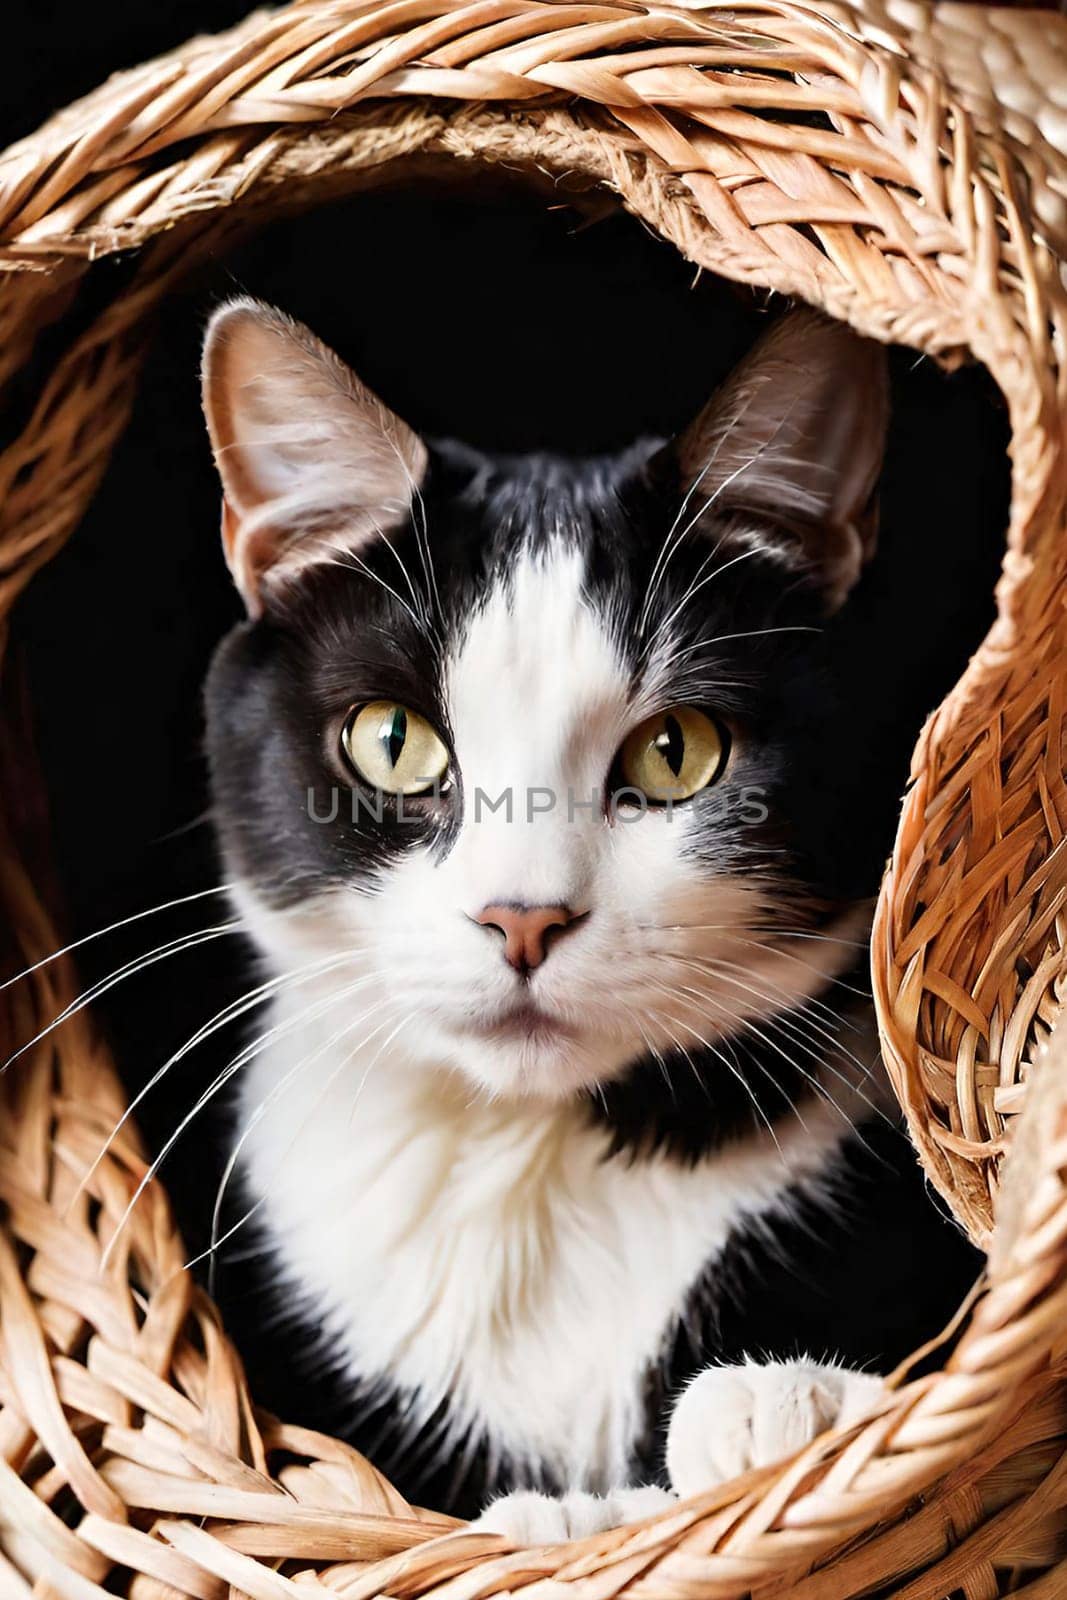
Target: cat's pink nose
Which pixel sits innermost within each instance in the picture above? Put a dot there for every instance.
(526, 930)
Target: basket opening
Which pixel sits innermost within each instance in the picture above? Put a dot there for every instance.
(513, 326)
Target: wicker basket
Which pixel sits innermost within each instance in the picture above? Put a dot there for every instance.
(928, 206)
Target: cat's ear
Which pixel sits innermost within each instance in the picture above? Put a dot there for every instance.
(795, 439)
(311, 461)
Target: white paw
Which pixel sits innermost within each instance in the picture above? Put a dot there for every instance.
(529, 1518)
(731, 1419)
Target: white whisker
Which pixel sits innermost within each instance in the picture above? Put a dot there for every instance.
(713, 1050)
(230, 1013)
(219, 1083)
(105, 985)
(113, 927)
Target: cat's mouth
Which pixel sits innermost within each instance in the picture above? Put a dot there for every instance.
(523, 1022)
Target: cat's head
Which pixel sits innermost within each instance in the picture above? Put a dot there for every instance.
(542, 757)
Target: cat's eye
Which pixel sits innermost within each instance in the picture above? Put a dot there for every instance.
(673, 755)
(394, 749)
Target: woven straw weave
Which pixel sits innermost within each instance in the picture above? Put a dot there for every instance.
(928, 206)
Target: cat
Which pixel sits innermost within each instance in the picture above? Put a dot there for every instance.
(553, 802)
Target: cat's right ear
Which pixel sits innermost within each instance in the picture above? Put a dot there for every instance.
(311, 461)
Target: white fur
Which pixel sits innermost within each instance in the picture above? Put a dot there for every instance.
(481, 1251)
(728, 1421)
(530, 1519)
(435, 1191)
(731, 1419)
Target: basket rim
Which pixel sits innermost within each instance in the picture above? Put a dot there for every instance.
(783, 1519)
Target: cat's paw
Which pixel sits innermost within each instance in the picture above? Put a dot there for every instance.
(731, 1419)
(529, 1518)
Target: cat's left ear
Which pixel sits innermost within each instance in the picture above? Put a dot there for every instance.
(795, 441)
(311, 461)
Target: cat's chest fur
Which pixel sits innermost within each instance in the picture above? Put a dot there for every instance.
(492, 1258)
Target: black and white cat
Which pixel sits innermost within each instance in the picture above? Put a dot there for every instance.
(544, 787)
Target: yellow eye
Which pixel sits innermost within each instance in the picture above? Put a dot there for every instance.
(394, 749)
(673, 755)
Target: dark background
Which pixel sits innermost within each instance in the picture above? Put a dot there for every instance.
(60, 49)
(512, 325)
